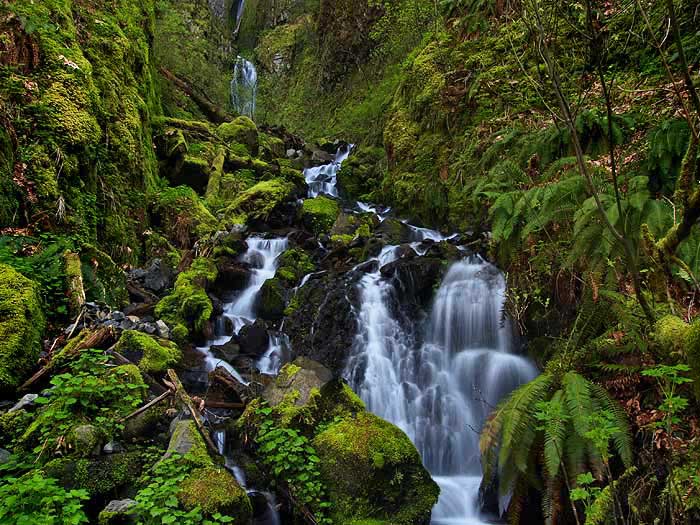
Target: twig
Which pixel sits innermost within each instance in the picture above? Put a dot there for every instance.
(148, 405)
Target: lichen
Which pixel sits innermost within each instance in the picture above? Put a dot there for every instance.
(22, 324)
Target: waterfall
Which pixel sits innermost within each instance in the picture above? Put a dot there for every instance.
(441, 391)
(324, 179)
(239, 16)
(262, 256)
(244, 86)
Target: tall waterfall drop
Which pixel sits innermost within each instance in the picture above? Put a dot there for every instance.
(441, 391)
(244, 87)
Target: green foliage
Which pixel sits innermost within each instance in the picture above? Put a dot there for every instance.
(90, 393)
(558, 420)
(667, 146)
(34, 498)
(294, 461)
(158, 504)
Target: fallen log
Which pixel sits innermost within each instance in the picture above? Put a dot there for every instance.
(208, 107)
(148, 405)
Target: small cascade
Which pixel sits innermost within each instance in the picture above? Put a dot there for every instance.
(239, 16)
(262, 257)
(244, 85)
(441, 391)
(277, 354)
(322, 180)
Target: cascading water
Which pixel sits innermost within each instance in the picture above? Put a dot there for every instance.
(244, 87)
(440, 392)
(323, 179)
(239, 16)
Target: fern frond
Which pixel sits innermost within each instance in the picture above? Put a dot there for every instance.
(555, 434)
(623, 438)
(579, 401)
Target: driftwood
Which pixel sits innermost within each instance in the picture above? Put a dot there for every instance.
(205, 104)
(222, 404)
(222, 376)
(184, 397)
(95, 339)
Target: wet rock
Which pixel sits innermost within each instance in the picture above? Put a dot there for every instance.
(320, 321)
(233, 275)
(393, 231)
(228, 351)
(254, 339)
(301, 377)
(117, 316)
(270, 302)
(163, 330)
(26, 402)
(113, 447)
(4, 456)
(159, 276)
(119, 512)
(415, 279)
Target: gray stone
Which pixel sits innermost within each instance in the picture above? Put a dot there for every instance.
(4, 456)
(291, 153)
(86, 440)
(149, 328)
(158, 276)
(118, 316)
(113, 447)
(163, 330)
(26, 401)
(119, 512)
(307, 376)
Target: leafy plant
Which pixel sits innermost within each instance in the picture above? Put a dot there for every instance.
(157, 503)
(293, 460)
(34, 498)
(88, 392)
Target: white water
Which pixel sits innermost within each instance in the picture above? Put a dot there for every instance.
(262, 256)
(239, 16)
(244, 86)
(440, 392)
(322, 180)
(277, 354)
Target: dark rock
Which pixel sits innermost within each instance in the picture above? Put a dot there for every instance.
(149, 328)
(117, 316)
(159, 276)
(217, 305)
(233, 275)
(228, 351)
(113, 447)
(321, 324)
(254, 339)
(270, 302)
(393, 231)
(4, 456)
(415, 279)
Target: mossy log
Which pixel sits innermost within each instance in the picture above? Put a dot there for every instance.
(211, 110)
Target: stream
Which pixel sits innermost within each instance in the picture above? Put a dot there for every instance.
(437, 380)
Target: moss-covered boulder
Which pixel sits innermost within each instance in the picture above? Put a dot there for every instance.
(678, 339)
(182, 216)
(319, 214)
(188, 307)
(100, 476)
(214, 490)
(373, 471)
(270, 302)
(362, 172)
(259, 202)
(22, 325)
(153, 354)
(293, 265)
(241, 131)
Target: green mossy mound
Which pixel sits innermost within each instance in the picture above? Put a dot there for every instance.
(319, 214)
(270, 303)
(215, 490)
(182, 216)
(188, 307)
(22, 325)
(157, 355)
(241, 131)
(678, 339)
(293, 265)
(103, 280)
(362, 172)
(373, 471)
(259, 201)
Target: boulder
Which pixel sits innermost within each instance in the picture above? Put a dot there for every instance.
(270, 302)
(22, 324)
(154, 355)
(374, 472)
(118, 512)
(241, 131)
(301, 378)
(393, 231)
(214, 490)
(227, 351)
(254, 339)
(415, 277)
(86, 440)
(100, 476)
(319, 214)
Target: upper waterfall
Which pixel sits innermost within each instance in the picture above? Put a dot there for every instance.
(244, 87)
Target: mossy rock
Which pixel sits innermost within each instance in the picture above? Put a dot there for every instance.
(182, 216)
(22, 324)
(156, 354)
(270, 303)
(215, 490)
(272, 147)
(259, 202)
(319, 214)
(373, 471)
(186, 441)
(188, 307)
(101, 476)
(293, 265)
(670, 333)
(104, 281)
(12, 426)
(241, 131)
(362, 172)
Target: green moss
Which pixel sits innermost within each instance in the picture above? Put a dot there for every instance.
(182, 215)
(159, 246)
(293, 265)
(22, 325)
(70, 114)
(104, 281)
(188, 307)
(157, 355)
(215, 490)
(692, 350)
(670, 332)
(259, 201)
(241, 131)
(188, 442)
(319, 214)
(270, 302)
(373, 471)
(12, 426)
(287, 372)
(101, 477)
(362, 172)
